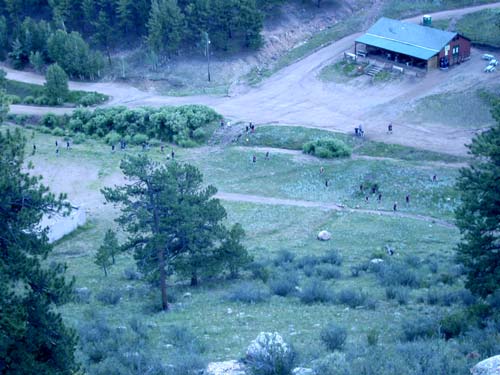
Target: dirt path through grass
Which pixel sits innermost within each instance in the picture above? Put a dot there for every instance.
(236, 197)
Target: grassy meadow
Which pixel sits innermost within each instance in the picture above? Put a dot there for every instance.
(282, 240)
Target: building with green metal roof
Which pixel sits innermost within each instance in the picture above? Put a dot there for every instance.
(412, 44)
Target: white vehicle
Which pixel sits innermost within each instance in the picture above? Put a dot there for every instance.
(487, 57)
(493, 62)
(490, 69)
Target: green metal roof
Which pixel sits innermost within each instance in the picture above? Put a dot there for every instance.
(410, 39)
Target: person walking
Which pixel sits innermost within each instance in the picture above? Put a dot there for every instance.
(434, 178)
(57, 143)
(67, 145)
(173, 154)
(395, 206)
(321, 170)
(326, 183)
(113, 147)
(57, 151)
(389, 128)
(254, 159)
(380, 197)
(407, 199)
(34, 149)
(366, 199)
(267, 155)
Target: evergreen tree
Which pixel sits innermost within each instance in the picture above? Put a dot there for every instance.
(232, 254)
(478, 217)
(104, 34)
(33, 338)
(4, 102)
(165, 26)
(105, 256)
(4, 37)
(56, 85)
(174, 224)
(125, 13)
(36, 60)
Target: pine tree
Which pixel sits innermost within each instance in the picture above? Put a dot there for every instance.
(478, 217)
(33, 338)
(125, 13)
(105, 256)
(56, 85)
(4, 102)
(165, 26)
(104, 34)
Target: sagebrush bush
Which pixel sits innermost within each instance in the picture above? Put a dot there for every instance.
(109, 296)
(391, 274)
(398, 293)
(276, 359)
(453, 325)
(333, 337)
(82, 295)
(283, 257)
(284, 284)
(308, 260)
(131, 273)
(372, 337)
(327, 148)
(248, 292)
(315, 291)
(419, 328)
(332, 257)
(259, 271)
(351, 298)
(328, 271)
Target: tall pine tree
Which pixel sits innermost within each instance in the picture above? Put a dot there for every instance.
(478, 217)
(33, 338)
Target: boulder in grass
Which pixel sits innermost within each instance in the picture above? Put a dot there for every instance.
(324, 235)
(490, 366)
(225, 368)
(302, 371)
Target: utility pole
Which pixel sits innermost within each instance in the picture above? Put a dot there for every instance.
(207, 51)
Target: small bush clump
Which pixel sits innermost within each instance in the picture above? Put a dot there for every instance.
(327, 148)
(351, 298)
(277, 359)
(328, 271)
(259, 271)
(283, 257)
(82, 295)
(419, 328)
(332, 257)
(284, 284)
(333, 336)
(315, 291)
(248, 292)
(109, 296)
(391, 274)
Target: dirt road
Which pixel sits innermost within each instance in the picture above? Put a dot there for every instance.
(295, 96)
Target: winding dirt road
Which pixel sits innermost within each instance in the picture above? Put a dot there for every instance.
(294, 96)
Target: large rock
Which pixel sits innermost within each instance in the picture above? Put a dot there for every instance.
(324, 235)
(225, 368)
(266, 342)
(302, 371)
(490, 366)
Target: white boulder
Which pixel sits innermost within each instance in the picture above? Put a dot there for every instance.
(324, 235)
(266, 342)
(225, 368)
(490, 366)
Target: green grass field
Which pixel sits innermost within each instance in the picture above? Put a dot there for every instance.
(481, 27)
(226, 328)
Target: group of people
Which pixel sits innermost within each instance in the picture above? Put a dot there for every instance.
(359, 131)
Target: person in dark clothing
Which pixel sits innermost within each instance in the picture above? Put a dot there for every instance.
(67, 145)
(113, 147)
(379, 197)
(246, 129)
(389, 128)
(162, 148)
(361, 187)
(34, 149)
(366, 199)
(254, 159)
(326, 183)
(434, 178)
(395, 206)
(407, 199)
(173, 154)
(267, 155)
(57, 143)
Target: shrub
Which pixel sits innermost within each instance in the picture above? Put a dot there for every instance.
(333, 336)
(391, 274)
(453, 325)
(139, 139)
(131, 273)
(315, 291)
(400, 294)
(355, 271)
(248, 292)
(109, 296)
(259, 271)
(332, 257)
(112, 138)
(90, 99)
(79, 138)
(328, 271)
(13, 99)
(351, 298)
(412, 260)
(82, 295)
(42, 100)
(277, 358)
(419, 328)
(327, 148)
(283, 257)
(29, 99)
(199, 135)
(58, 132)
(284, 284)
(372, 337)
(49, 120)
(183, 338)
(308, 260)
